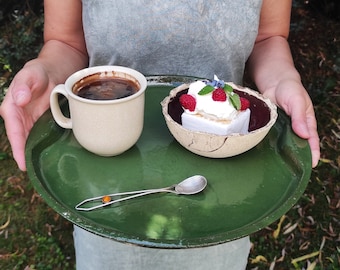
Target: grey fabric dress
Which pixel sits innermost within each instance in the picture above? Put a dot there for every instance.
(188, 37)
(159, 37)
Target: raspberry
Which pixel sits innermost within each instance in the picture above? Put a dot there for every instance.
(219, 95)
(245, 104)
(188, 102)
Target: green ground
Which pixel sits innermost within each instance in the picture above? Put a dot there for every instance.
(32, 236)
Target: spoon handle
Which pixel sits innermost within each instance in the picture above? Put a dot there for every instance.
(99, 198)
(135, 195)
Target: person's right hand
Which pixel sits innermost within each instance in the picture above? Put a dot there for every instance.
(26, 100)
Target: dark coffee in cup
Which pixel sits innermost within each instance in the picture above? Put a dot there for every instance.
(99, 87)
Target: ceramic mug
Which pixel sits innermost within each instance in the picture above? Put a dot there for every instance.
(106, 127)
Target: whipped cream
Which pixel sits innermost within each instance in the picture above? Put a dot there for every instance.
(212, 116)
(208, 108)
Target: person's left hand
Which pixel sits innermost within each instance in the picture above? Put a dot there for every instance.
(292, 97)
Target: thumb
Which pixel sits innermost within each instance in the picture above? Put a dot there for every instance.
(304, 125)
(21, 94)
(298, 113)
(299, 126)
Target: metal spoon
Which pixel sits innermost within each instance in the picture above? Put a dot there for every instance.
(188, 186)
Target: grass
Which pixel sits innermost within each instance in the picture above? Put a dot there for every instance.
(32, 236)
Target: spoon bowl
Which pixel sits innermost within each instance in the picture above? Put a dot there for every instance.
(191, 185)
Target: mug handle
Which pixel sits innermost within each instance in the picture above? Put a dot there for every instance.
(58, 116)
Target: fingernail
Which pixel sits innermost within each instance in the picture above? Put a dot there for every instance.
(20, 97)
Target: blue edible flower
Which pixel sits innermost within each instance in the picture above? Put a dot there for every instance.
(216, 82)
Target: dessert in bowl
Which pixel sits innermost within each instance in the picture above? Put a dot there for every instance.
(217, 119)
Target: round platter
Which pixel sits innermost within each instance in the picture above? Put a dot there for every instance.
(244, 193)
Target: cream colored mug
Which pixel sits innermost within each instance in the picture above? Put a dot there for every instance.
(109, 124)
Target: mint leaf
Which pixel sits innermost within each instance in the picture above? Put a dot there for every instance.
(235, 100)
(228, 88)
(206, 90)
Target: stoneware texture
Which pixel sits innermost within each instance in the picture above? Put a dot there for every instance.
(104, 127)
(217, 146)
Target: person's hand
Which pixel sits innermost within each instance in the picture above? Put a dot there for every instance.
(292, 97)
(26, 100)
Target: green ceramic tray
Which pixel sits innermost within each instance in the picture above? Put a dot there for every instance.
(244, 193)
